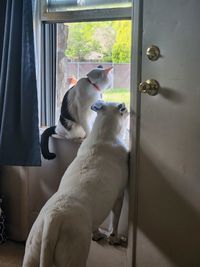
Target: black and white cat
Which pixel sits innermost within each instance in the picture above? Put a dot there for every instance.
(76, 117)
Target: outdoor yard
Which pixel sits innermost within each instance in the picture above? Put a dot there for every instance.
(118, 95)
(81, 47)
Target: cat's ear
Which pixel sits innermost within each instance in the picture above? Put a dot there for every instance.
(108, 70)
(98, 105)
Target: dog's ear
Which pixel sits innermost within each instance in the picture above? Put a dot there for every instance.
(121, 107)
(98, 105)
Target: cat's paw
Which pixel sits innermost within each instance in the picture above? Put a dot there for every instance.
(97, 235)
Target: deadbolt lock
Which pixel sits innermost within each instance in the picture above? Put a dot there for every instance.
(153, 53)
(150, 87)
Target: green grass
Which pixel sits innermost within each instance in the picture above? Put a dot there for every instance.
(117, 95)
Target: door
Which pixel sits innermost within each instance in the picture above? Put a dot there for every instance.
(167, 178)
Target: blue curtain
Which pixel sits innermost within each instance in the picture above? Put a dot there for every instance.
(19, 132)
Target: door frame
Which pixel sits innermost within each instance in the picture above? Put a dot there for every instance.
(135, 107)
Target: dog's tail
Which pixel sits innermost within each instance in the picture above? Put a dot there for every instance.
(45, 143)
(49, 239)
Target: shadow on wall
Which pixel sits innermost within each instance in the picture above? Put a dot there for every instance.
(171, 95)
(166, 218)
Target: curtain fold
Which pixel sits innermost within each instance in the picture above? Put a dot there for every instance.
(19, 131)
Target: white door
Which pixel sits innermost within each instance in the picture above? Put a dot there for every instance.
(167, 132)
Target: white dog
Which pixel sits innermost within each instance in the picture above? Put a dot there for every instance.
(89, 190)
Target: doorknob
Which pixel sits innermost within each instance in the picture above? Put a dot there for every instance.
(153, 53)
(150, 87)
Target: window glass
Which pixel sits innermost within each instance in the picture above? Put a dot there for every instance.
(83, 46)
(63, 5)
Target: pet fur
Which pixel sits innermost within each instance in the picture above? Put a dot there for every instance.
(90, 188)
(76, 117)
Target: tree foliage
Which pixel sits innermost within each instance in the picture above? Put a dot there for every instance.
(121, 51)
(80, 41)
(103, 41)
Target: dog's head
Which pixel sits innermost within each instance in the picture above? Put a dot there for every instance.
(111, 115)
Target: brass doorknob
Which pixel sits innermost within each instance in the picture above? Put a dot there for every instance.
(153, 53)
(150, 87)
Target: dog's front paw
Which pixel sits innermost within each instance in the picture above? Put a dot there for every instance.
(114, 240)
(97, 235)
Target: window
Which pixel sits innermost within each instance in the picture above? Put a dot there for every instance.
(85, 10)
(103, 24)
(83, 46)
(60, 5)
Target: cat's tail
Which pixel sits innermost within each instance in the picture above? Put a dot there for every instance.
(49, 239)
(45, 143)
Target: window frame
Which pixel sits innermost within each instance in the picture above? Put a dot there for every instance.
(48, 74)
(87, 15)
(48, 49)
(84, 15)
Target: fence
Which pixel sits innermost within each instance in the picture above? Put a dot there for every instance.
(121, 72)
(65, 69)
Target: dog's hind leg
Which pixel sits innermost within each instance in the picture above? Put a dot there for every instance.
(33, 246)
(116, 211)
(73, 246)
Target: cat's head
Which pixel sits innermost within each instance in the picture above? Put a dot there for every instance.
(113, 115)
(100, 77)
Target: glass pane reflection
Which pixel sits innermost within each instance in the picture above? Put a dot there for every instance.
(70, 5)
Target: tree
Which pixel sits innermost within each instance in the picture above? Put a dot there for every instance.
(121, 52)
(108, 41)
(105, 35)
(81, 41)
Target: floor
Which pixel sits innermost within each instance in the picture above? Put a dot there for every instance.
(11, 254)
(101, 254)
